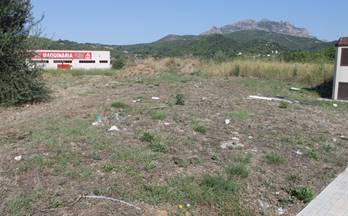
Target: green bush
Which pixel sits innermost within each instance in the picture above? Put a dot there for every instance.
(179, 99)
(304, 194)
(283, 105)
(118, 63)
(20, 80)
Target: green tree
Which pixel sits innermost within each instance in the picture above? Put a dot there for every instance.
(20, 80)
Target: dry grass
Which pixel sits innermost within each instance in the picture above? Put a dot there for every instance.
(306, 73)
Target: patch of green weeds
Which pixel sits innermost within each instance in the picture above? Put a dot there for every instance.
(283, 105)
(108, 167)
(119, 105)
(158, 115)
(314, 155)
(55, 203)
(302, 193)
(22, 204)
(237, 170)
(155, 141)
(179, 99)
(151, 165)
(275, 159)
(199, 127)
(239, 115)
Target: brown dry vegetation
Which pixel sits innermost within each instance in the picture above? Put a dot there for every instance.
(167, 154)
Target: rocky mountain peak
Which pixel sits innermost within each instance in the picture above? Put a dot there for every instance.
(280, 27)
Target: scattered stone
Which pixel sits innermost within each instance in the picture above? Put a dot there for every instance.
(204, 98)
(227, 121)
(18, 158)
(232, 144)
(264, 206)
(250, 137)
(114, 128)
(155, 98)
(334, 139)
(335, 105)
(166, 123)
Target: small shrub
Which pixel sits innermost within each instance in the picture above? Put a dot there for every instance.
(199, 128)
(179, 99)
(119, 105)
(157, 146)
(151, 165)
(302, 193)
(108, 167)
(236, 71)
(274, 159)
(238, 169)
(147, 137)
(158, 115)
(118, 63)
(283, 105)
(313, 155)
(55, 203)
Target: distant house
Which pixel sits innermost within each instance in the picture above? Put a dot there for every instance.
(340, 89)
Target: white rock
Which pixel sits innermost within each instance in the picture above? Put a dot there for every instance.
(18, 158)
(155, 98)
(166, 123)
(231, 144)
(250, 137)
(335, 105)
(114, 128)
(227, 121)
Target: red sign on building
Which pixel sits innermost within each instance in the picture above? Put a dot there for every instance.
(62, 55)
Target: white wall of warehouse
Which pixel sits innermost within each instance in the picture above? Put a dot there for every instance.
(97, 56)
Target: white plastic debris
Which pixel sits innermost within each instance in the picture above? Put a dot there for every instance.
(98, 121)
(295, 89)
(18, 158)
(344, 137)
(114, 128)
(298, 152)
(155, 98)
(255, 97)
(227, 121)
(280, 211)
(335, 105)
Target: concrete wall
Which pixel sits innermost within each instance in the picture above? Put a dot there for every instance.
(341, 72)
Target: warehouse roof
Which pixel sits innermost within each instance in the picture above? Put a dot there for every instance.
(343, 41)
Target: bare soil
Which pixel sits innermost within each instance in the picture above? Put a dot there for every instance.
(305, 135)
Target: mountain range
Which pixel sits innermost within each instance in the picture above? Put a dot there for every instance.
(247, 37)
(281, 27)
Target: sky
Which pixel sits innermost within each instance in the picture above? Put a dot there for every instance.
(119, 22)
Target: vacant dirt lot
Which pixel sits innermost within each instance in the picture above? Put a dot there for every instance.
(167, 157)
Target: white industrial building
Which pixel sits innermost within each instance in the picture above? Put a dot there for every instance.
(72, 59)
(340, 85)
